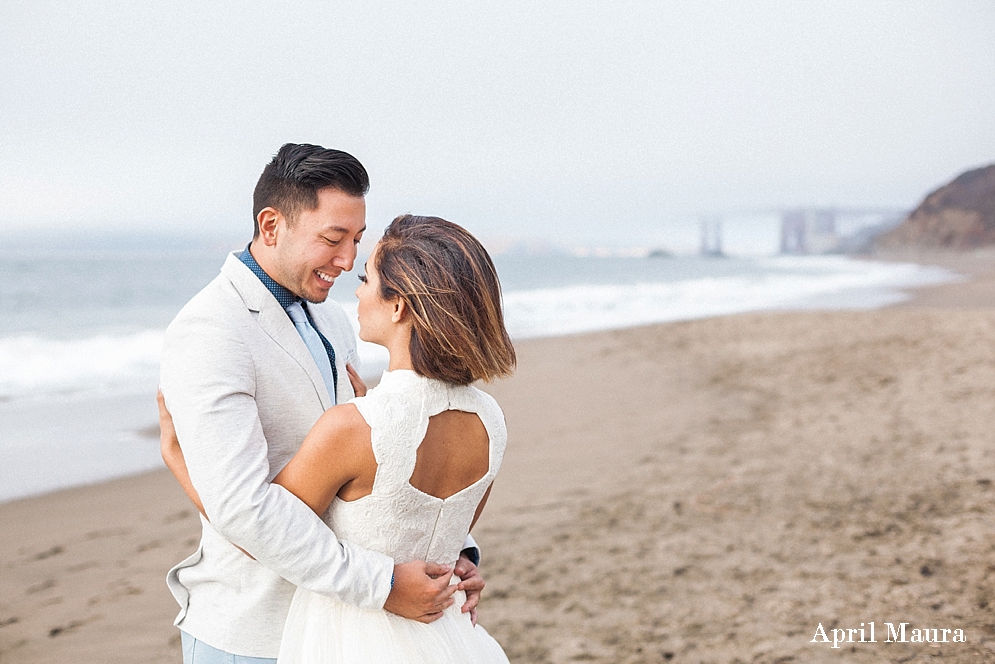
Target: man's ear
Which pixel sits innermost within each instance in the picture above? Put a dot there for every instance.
(268, 220)
(400, 310)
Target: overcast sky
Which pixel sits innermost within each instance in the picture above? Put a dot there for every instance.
(608, 120)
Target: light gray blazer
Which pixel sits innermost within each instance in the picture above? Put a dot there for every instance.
(243, 391)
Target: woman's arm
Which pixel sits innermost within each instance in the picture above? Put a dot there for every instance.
(480, 507)
(335, 457)
(335, 452)
(470, 580)
(169, 446)
(331, 456)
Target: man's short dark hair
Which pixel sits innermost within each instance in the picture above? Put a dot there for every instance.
(290, 183)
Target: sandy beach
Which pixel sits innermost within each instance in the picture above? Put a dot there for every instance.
(704, 491)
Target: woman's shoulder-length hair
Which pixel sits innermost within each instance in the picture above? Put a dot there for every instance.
(450, 286)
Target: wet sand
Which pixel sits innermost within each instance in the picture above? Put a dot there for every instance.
(706, 491)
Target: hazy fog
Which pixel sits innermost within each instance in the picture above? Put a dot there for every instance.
(590, 121)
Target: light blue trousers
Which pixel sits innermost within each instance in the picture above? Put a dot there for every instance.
(198, 652)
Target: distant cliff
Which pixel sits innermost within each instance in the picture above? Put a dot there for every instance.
(959, 215)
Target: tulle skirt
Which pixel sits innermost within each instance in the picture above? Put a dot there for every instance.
(322, 630)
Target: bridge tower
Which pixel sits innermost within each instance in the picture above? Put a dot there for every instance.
(809, 231)
(711, 236)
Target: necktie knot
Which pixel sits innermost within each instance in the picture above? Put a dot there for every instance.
(296, 313)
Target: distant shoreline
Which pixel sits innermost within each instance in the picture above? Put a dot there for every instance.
(976, 291)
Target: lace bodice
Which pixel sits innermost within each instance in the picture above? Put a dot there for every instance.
(395, 518)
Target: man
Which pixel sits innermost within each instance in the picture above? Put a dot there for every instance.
(248, 366)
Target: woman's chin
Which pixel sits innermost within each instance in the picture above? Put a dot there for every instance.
(370, 340)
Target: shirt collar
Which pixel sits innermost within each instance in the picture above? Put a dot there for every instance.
(282, 295)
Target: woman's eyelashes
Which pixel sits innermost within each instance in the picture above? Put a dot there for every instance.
(362, 277)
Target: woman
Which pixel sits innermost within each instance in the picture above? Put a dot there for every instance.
(406, 469)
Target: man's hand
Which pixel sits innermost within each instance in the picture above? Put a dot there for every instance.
(471, 583)
(358, 386)
(421, 591)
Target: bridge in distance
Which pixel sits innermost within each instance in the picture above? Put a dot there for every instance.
(810, 230)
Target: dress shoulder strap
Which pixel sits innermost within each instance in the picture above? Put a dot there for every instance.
(398, 412)
(398, 423)
(473, 400)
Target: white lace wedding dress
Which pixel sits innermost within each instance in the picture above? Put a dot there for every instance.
(405, 524)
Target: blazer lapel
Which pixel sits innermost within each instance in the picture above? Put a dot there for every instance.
(274, 321)
(343, 354)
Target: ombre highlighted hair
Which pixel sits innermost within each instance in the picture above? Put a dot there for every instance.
(451, 289)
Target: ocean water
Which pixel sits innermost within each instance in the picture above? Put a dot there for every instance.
(81, 332)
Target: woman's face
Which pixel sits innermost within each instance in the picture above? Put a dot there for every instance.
(375, 313)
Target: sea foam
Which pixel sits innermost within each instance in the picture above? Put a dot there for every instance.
(825, 282)
(31, 365)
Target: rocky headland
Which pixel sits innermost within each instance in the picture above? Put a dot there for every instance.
(958, 216)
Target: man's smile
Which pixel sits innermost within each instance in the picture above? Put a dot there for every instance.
(324, 276)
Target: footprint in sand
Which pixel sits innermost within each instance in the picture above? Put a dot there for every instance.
(116, 591)
(179, 516)
(39, 587)
(66, 629)
(148, 546)
(48, 553)
(110, 532)
(89, 564)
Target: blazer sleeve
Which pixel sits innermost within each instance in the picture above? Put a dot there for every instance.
(208, 381)
(471, 550)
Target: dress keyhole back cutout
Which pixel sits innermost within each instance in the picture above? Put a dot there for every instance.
(454, 455)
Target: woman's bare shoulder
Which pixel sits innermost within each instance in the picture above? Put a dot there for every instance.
(342, 424)
(335, 452)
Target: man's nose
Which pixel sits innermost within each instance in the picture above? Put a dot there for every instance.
(346, 258)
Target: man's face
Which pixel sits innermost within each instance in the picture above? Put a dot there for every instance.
(320, 245)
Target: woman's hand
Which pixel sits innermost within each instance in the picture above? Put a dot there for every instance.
(358, 386)
(471, 583)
